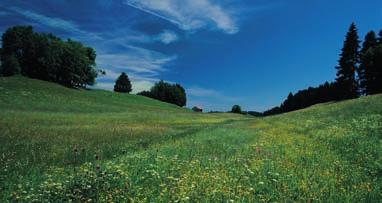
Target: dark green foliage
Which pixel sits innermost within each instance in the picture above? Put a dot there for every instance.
(365, 73)
(10, 66)
(174, 94)
(305, 98)
(180, 95)
(166, 92)
(123, 84)
(236, 109)
(289, 103)
(145, 93)
(348, 64)
(46, 57)
(374, 79)
(370, 75)
(16, 41)
(254, 113)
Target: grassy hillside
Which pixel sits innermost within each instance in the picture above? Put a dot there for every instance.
(60, 144)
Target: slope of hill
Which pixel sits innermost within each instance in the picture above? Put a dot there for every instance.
(24, 93)
(60, 144)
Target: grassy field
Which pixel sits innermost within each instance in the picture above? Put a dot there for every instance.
(62, 145)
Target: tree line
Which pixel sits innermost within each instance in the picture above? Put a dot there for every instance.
(162, 91)
(46, 57)
(359, 72)
(166, 92)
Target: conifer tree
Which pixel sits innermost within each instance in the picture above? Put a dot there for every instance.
(346, 69)
(378, 68)
(365, 70)
(123, 84)
(378, 65)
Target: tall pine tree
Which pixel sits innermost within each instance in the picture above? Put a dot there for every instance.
(365, 71)
(122, 84)
(378, 64)
(373, 65)
(349, 58)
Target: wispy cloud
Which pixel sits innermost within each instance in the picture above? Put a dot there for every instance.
(189, 14)
(53, 22)
(136, 60)
(203, 92)
(142, 65)
(129, 36)
(4, 13)
(48, 21)
(167, 37)
(210, 93)
(137, 85)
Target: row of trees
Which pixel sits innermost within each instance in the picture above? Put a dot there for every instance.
(359, 72)
(304, 98)
(46, 57)
(162, 91)
(166, 92)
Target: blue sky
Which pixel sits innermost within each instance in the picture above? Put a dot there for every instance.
(224, 52)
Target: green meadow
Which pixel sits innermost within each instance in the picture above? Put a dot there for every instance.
(67, 145)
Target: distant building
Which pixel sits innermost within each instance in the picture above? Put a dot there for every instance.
(197, 109)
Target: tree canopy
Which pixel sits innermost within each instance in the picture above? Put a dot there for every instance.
(236, 109)
(166, 92)
(47, 57)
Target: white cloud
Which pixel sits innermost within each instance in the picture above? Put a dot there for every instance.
(141, 85)
(49, 21)
(189, 14)
(138, 83)
(140, 63)
(54, 22)
(167, 37)
(209, 93)
(203, 92)
(137, 60)
(104, 86)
